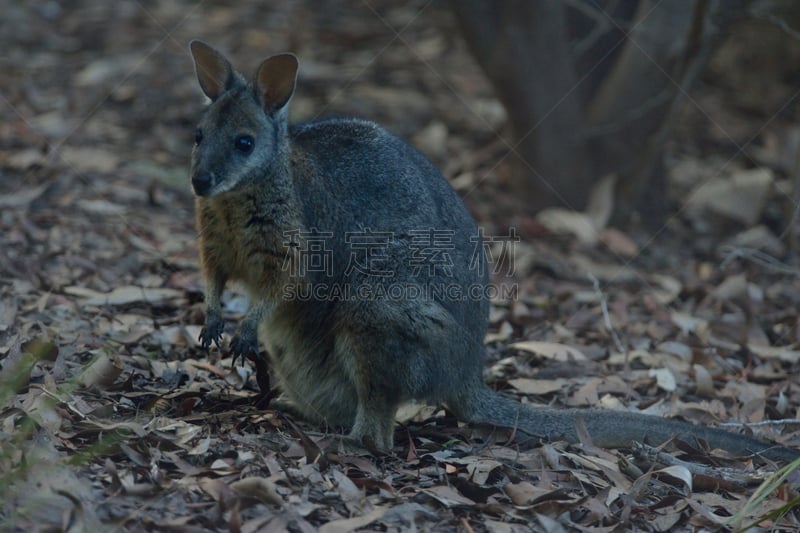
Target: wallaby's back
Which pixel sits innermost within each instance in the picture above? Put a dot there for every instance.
(358, 177)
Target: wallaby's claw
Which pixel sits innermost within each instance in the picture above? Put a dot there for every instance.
(211, 332)
(244, 342)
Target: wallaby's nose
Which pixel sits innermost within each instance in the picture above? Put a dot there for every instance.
(201, 183)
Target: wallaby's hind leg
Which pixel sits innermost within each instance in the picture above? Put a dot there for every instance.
(377, 393)
(414, 350)
(374, 425)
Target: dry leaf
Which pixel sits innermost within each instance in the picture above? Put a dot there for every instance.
(351, 524)
(101, 207)
(704, 384)
(447, 496)
(23, 159)
(480, 469)
(258, 488)
(124, 295)
(678, 349)
(102, 371)
(550, 350)
(539, 387)
(22, 197)
(524, 493)
(669, 288)
(601, 201)
(690, 324)
(348, 490)
(739, 197)
(503, 334)
(217, 489)
(732, 287)
(201, 448)
(619, 243)
(681, 473)
(563, 221)
(665, 379)
(758, 238)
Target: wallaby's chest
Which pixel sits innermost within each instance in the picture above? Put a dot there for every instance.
(240, 238)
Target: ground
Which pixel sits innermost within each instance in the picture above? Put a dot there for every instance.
(114, 418)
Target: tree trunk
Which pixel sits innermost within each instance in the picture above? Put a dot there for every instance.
(591, 92)
(522, 47)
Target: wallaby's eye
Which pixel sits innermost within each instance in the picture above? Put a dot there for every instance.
(244, 143)
(198, 136)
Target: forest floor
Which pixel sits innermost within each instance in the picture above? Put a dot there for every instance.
(113, 418)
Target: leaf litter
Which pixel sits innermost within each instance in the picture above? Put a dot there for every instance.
(111, 415)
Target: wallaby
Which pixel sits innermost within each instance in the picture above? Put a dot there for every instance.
(265, 190)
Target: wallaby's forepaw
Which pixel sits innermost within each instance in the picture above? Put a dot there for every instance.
(212, 331)
(244, 342)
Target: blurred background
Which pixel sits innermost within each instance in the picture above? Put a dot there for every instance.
(523, 105)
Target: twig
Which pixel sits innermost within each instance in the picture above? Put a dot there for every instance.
(606, 316)
(733, 476)
(763, 423)
(763, 259)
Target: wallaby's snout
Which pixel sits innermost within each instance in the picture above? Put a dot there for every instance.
(202, 183)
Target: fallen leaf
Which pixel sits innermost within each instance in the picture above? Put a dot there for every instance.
(681, 473)
(201, 448)
(447, 496)
(690, 324)
(618, 242)
(704, 384)
(217, 489)
(22, 197)
(678, 349)
(537, 386)
(665, 379)
(600, 205)
(668, 288)
(102, 371)
(758, 238)
(124, 295)
(24, 159)
(563, 221)
(258, 488)
(550, 350)
(351, 524)
(101, 207)
(524, 493)
(8, 312)
(740, 197)
(503, 334)
(732, 287)
(348, 490)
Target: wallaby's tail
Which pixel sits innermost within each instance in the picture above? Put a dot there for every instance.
(608, 429)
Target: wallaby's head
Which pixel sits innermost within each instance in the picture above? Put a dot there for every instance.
(242, 134)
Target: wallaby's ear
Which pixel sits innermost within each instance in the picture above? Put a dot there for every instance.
(214, 72)
(274, 82)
